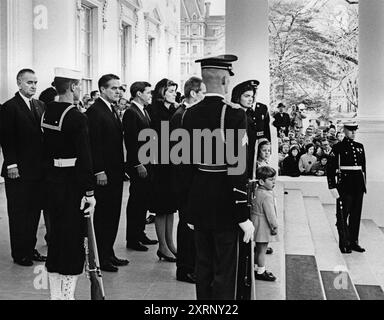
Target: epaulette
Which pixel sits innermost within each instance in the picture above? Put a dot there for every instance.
(233, 105)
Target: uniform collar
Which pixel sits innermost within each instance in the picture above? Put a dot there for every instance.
(214, 95)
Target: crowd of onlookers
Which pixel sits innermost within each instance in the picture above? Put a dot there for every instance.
(303, 152)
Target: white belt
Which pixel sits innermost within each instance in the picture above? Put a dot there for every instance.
(351, 168)
(65, 163)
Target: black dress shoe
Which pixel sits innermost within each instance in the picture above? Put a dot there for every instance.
(148, 242)
(345, 250)
(137, 246)
(164, 257)
(108, 267)
(25, 262)
(269, 251)
(119, 262)
(186, 277)
(357, 248)
(266, 276)
(36, 256)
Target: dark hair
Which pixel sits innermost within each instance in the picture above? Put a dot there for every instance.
(193, 84)
(63, 84)
(48, 95)
(239, 90)
(23, 72)
(93, 93)
(138, 87)
(294, 147)
(262, 142)
(103, 82)
(309, 146)
(160, 89)
(263, 173)
(280, 105)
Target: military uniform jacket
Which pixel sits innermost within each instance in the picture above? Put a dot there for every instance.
(210, 197)
(347, 153)
(66, 137)
(21, 137)
(257, 128)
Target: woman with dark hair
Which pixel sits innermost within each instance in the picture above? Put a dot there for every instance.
(291, 163)
(307, 160)
(163, 202)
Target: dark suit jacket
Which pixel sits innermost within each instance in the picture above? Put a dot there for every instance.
(106, 137)
(134, 122)
(21, 137)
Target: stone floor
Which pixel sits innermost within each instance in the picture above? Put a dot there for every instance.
(144, 279)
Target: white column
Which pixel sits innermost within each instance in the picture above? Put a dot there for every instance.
(247, 36)
(371, 103)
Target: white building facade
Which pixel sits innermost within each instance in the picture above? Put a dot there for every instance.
(139, 40)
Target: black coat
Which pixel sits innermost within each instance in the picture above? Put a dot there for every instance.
(282, 120)
(21, 137)
(163, 199)
(134, 121)
(291, 166)
(210, 197)
(106, 136)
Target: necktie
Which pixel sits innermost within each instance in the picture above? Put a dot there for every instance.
(147, 116)
(34, 112)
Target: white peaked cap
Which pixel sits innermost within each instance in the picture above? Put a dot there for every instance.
(68, 73)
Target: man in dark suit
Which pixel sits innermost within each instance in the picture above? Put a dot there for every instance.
(194, 91)
(21, 139)
(106, 136)
(135, 120)
(282, 120)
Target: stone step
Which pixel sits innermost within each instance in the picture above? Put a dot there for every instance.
(333, 269)
(359, 266)
(303, 281)
(276, 262)
(374, 243)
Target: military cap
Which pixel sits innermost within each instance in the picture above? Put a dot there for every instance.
(223, 62)
(351, 125)
(253, 83)
(240, 89)
(68, 74)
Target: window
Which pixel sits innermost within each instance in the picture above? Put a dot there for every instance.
(86, 27)
(183, 68)
(126, 45)
(194, 49)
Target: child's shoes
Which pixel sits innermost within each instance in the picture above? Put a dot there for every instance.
(266, 276)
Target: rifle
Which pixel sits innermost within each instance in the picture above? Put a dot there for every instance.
(92, 263)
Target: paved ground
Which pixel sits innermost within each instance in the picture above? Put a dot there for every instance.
(144, 279)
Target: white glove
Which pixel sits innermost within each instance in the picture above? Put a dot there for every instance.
(92, 204)
(248, 230)
(191, 226)
(335, 193)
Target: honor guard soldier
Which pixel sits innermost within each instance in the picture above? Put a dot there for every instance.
(347, 182)
(213, 207)
(258, 118)
(69, 182)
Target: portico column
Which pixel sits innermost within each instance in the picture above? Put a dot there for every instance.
(371, 103)
(247, 36)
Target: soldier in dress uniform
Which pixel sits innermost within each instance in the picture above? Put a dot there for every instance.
(258, 118)
(69, 182)
(346, 173)
(208, 188)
